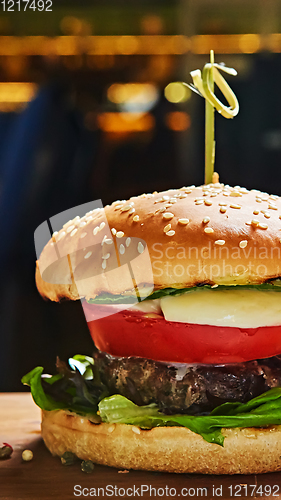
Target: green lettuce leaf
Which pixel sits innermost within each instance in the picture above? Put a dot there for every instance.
(45, 402)
(259, 412)
(76, 390)
(108, 298)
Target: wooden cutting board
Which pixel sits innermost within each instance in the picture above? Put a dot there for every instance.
(46, 478)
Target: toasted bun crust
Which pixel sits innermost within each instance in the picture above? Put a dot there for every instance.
(212, 234)
(169, 449)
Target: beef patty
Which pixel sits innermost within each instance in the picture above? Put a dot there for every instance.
(184, 388)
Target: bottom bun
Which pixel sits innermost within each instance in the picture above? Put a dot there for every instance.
(169, 449)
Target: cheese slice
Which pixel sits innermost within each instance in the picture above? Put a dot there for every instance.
(238, 308)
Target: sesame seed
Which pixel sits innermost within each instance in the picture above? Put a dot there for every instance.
(70, 228)
(136, 218)
(198, 199)
(122, 249)
(170, 233)
(73, 232)
(119, 234)
(136, 430)
(167, 228)
(183, 222)
(165, 198)
(248, 223)
(258, 200)
(126, 208)
(140, 247)
(225, 194)
(55, 234)
(221, 204)
(111, 428)
(266, 215)
(212, 195)
(272, 207)
(208, 203)
(88, 255)
(183, 195)
(103, 264)
(262, 226)
(108, 241)
(200, 202)
(222, 210)
(102, 225)
(113, 230)
(279, 216)
(243, 244)
(256, 212)
(96, 230)
(128, 241)
(168, 215)
(233, 205)
(118, 206)
(255, 222)
(106, 256)
(206, 219)
(235, 193)
(131, 211)
(61, 236)
(173, 200)
(208, 230)
(162, 210)
(220, 242)
(83, 223)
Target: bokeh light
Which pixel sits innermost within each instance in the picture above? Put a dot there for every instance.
(177, 92)
(178, 121)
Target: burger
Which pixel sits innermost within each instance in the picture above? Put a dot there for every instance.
(181, 292)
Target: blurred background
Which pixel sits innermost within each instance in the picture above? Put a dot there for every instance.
(92, 106)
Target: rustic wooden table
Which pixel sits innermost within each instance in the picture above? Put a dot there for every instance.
(45, 477)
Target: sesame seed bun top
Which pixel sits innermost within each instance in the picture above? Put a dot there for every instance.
(178, 238)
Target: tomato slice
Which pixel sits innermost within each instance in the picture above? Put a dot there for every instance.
(132, 333)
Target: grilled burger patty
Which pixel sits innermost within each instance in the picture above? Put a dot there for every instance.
(182, 388)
